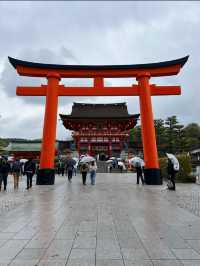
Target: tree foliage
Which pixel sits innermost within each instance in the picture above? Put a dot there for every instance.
(171, 136)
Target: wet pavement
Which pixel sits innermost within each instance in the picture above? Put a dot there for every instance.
(114, 223)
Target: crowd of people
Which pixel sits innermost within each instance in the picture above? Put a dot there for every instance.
(16, 168)
(86, 167)
(69, 167)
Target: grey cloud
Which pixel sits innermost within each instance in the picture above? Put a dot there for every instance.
(10, 79)
(104, 33)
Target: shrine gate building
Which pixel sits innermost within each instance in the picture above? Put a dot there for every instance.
(100, 128)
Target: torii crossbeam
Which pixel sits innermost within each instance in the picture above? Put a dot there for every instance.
(142, 73)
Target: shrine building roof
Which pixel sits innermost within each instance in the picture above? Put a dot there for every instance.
(111, 110)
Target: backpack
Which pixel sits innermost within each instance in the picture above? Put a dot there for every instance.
(16, 167)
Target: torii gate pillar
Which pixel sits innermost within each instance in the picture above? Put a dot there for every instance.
(46, 173)
(151, 171)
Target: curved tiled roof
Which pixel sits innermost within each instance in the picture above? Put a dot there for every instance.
(111, 110)
(16, 62)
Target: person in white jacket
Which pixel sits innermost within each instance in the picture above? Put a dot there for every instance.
(93, 169)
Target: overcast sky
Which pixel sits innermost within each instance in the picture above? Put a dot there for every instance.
(97, 33)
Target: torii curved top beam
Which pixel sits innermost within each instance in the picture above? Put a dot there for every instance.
(32, 69)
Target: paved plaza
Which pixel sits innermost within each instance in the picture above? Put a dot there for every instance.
(115, 223)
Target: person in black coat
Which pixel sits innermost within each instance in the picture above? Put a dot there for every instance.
(4, 170)
(171, 174)
(29, 170)
(69, 169)
(138, 168)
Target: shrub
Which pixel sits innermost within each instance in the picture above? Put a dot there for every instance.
(184, 174)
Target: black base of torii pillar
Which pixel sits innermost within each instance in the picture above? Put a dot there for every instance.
(45, 177)
(152, 176)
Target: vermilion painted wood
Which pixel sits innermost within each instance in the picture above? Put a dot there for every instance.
(117, 73)
(99, 91)
(50, 121)
(147, 124)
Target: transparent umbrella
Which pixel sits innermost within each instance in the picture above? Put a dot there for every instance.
(136, 160)
(23, 160)
(109, 161)
(173, 159)
(87, 159)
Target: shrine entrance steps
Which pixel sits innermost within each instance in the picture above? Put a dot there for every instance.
(103, 168)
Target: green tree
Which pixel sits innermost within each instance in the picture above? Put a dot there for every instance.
(192, 136)
(172, 126)
(135, 139)
(160, 131)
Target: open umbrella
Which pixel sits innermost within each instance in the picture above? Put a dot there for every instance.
(136, 160)
(87, 159)
(75, 159)
(11, 158)
(122, 164)
(174, 160)
(109, 161)
(23, 160)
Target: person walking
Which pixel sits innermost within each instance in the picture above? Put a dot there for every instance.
(16, 171)
(138, 168)
(58, 164)
(172, 170)
(84, 169)
(4, 170)
(62, 168)
(29, 169)
(69, 169)
(93, 169)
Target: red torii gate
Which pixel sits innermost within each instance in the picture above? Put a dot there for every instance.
(142, 73)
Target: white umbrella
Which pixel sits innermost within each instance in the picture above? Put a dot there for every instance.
(173, 159)
(109, 161)
(75, 159)
(136, 160)
(122, 164)
(10, 158)
(87, 159)
(23, 160)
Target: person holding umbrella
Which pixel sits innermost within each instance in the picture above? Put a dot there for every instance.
(172, 169)
(138, 163)
(84, 169)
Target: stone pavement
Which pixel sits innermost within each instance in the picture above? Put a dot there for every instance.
(114, 223)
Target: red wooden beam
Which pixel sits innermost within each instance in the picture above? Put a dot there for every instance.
(99, 91)
(31, 91)
(165, 90)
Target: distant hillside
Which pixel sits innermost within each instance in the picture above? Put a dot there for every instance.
(5, 141)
